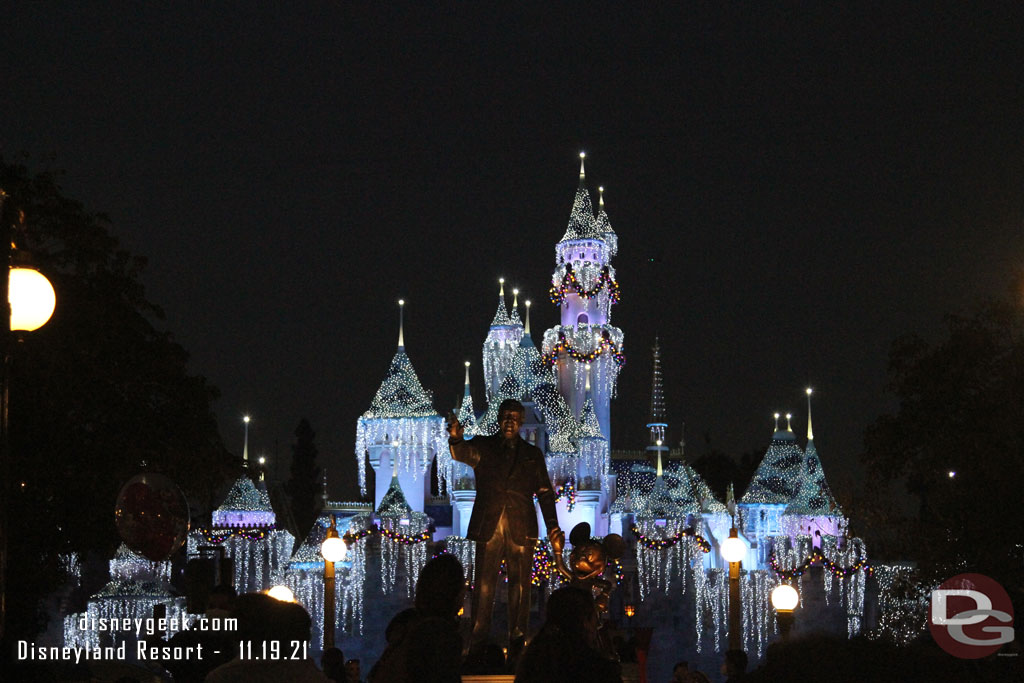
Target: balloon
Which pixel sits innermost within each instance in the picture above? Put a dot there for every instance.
(152, 516)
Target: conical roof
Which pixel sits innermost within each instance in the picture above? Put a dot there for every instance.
(581, 218)
(563, 428)
(466, 414)
(244, 495)
(501, 315)
(401, 394)
(814, 496)
(590, 428)
(524, 363)
(603, 226)
(487, 425)
(659, 503)
(309, 550)
(393, 504)
(780, 473)
(513, 315)
(709, 503)
(510, 387)
(684, 493)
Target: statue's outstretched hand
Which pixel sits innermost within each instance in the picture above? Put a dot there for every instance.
(455, 430)
(557, 539)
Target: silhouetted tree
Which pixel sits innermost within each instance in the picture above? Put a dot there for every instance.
(96, 392)
(304, 485)
(961, 411)
(719, 470)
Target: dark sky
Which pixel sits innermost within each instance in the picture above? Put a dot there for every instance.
(812, 182)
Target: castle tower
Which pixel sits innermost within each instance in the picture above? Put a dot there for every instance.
(773, 486)
(401, 433)
(813, 510)
(500, 345)
(583, 286)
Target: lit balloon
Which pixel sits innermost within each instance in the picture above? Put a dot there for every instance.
(151, 515)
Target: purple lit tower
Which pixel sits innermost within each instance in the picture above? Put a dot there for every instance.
(586, 344)
(245, 526)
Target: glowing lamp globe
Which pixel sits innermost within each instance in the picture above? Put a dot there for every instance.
(733, 549)
(282, 593)
(333, 549)
(785, 598)
(32, 299)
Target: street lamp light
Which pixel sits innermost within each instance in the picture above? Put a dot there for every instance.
(733, 551)
(333, 550)
(784, 600)
(29, 302)
(31, 297)
(282, 593)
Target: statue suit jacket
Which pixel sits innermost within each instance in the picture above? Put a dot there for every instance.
(506, 483)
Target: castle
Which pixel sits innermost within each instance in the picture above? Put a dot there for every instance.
(672, 522)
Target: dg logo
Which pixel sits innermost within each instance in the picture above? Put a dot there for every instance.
(971, 616)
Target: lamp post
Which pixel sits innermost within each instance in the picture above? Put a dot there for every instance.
(784, 600)
(28, 302)
(333, 550)
(733, 551)
(630, 611)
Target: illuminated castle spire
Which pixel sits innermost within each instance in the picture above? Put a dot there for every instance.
(814, 497)
(500, 345)
(583, 286)
(656, 423)
(401, 427)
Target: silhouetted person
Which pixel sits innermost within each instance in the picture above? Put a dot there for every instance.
(333, 664)
(424, 645)
(262, 622)
(218, 644)
(734, 668)
(352, 672)
(567, 642)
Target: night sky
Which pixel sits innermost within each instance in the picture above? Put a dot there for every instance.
(809, 183)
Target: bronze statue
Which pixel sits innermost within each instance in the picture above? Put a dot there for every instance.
(589, 560)
(509, 472)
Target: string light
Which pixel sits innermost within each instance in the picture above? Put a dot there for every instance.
(860, 564)
(569, 283)
(402, 416)
(136, 586)
(564, 344)
(655, 543)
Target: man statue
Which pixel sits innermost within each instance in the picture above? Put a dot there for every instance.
(509, 472)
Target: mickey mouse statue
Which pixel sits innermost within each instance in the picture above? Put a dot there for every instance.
(589, 559)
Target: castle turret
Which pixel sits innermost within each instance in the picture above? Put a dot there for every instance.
(466, 415)
(813, 510)
(583, 285)
(774, 484)
(401, 427)
(500, 344)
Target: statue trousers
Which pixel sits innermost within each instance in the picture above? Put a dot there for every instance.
(519, 563)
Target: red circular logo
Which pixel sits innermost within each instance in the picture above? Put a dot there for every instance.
(970, 616)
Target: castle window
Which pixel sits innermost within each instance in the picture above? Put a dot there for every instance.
(583, 319)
